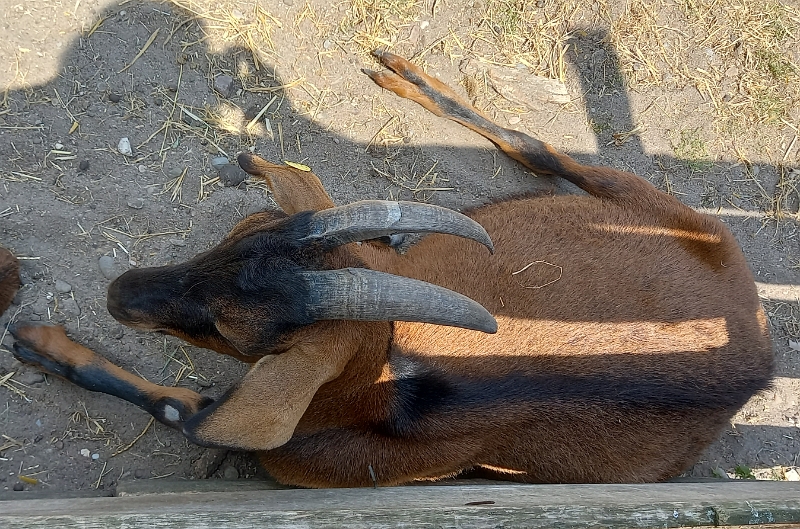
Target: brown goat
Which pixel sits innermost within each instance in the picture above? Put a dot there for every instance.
(629, 330)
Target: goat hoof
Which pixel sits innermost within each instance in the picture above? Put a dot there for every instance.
(44, 346)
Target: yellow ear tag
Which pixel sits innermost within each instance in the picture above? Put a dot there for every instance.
(298, 166)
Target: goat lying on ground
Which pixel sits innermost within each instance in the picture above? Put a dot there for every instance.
(645, 336)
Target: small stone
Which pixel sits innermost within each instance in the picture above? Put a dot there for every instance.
(95, 456)
(63, 287)
(756, 170)
(19, 486)
(327, 44)
(414, 34)
(124, 147)
(203, 383)
(219, 161)
(230, 472)
(136, 203)
(231, 175)
(31, 378)
(795, 346)
(107, 268)
(70, 307)
(513, 120)
(84, 165)
(58, 146)
(85, 452)
(223, 84)
(139, 473)
(424, 24)
(177, 242)
(792, 475)
(142, 169)
(59, 445)
(288, 2)
(114, 97)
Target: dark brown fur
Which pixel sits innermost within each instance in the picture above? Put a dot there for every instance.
(630, 331)
(9, 278)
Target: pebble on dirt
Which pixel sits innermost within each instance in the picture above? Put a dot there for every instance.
(107, 268)
(84, 165)
(114, 97)
(230, 472)
(62, 286)
(19, 486)
(224, 85)
(70, 307)
(231, 175)
(219, 161)
(124, 147)
(136, 203)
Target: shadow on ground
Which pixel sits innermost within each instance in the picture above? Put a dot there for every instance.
(69, 198)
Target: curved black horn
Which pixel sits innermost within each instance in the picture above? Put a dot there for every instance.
(371, 219)
(368, 295)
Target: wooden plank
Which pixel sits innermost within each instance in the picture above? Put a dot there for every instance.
(145, 487)
(508, 506)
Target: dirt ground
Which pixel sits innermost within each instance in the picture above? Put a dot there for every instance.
(700, 98)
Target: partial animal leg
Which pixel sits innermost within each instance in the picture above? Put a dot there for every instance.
(411, 82)
(48, 348)
(9, 278)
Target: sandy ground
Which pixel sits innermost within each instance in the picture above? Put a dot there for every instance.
(687, 95)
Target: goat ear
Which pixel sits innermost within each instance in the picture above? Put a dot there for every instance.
(262, 411)
(294, 190)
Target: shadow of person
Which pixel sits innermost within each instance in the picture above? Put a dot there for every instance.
(75, 198)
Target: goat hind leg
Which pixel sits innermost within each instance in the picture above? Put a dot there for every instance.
(48, 348)
(409, 81)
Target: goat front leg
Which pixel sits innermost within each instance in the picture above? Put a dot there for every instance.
(409, 81)
(48, 348)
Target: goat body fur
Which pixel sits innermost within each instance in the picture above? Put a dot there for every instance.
(629, 332)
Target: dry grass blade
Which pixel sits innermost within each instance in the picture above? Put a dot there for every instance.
(261, 113)
(135, 439)
(746, 69)
(144, 49)
(174, 186)
(10, 443)
(6, 382)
